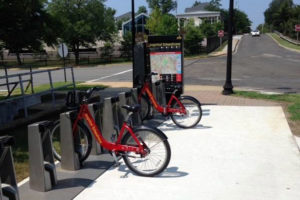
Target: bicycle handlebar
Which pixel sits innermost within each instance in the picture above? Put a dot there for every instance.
(73, 99)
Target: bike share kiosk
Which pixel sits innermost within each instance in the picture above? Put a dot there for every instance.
(162, 55)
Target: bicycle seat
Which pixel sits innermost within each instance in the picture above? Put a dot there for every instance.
(133, 108)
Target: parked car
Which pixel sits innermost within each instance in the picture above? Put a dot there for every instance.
(255, 33)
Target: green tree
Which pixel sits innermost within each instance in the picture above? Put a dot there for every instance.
(162, 24)
(83, 21)
(193, 38)
(282, 15)
(25, 25)
(241, 22)
(142, 9)
(108, 49)
(165, 6)
(214, 5)
(126, 45)
(196, 3)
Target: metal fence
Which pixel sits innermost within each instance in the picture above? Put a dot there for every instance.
(18, 90)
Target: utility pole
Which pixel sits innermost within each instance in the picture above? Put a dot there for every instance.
(228, 84)
(133, 30)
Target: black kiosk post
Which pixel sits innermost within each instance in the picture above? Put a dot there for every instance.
(164, 56)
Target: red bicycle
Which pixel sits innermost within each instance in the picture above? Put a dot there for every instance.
(145, 150)
(185, 111)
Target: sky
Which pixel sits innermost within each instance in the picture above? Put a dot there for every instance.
(253, 8)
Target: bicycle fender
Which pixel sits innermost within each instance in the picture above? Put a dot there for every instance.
(154, 129)
(190, 97)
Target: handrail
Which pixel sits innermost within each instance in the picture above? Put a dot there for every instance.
(34, 72)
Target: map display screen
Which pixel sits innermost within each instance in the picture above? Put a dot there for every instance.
(166, 63)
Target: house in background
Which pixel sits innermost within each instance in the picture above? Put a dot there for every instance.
(140, 24)
(199, 14)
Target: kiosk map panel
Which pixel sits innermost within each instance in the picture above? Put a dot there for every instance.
(166, 59)
(166, 63)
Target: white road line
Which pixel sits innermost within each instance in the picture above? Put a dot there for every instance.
(104, 77)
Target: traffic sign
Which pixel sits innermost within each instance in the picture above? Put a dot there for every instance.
(63, 50)
(220, 33)
(297, 27)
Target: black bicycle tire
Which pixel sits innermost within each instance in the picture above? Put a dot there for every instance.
(148, 109)
(167, 147)
(196, 103)
(86, 132)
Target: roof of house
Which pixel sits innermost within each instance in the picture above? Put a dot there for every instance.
(200, 7)
(124, 16)
(136, 17)
(202, 13)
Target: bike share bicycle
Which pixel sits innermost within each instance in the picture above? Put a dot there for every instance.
(145, 150)
(185, 111)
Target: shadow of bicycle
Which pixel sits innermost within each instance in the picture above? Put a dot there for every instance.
(170, 172)
(171, 127)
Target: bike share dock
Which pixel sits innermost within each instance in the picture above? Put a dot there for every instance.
(236, 152)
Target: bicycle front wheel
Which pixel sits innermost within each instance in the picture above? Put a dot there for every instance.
(159, 152)
(193, 112)
(82, 141)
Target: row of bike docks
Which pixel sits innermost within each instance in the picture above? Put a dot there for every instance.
(108, 115)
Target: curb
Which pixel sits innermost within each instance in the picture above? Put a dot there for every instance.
(234, 50)
(290, 49)
(297, 140)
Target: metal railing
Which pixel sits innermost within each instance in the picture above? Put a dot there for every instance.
(19, 80)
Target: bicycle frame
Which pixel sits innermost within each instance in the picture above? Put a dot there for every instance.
(159, 108)
(115, 147)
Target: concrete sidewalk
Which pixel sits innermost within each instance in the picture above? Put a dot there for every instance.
(236, 152)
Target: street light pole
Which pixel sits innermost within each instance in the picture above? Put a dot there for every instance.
(228, 84)
(132, 30)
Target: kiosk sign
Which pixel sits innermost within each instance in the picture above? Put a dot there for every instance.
(166, 59)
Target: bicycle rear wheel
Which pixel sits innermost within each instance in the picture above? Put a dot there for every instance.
(193, 112)
(82, 143)
(158, 157)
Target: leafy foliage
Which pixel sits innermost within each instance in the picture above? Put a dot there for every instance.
(107, 49)
(165, 6)
(241, 22)
(214, 5)
(211, 30)
(84, 22)
(196, 3)
(282, 15)
(24, 25)
(161, 24)
(193, 38)
(126, 45)
(142, 9)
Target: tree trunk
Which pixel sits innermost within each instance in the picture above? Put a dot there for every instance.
(77, 54)
(19, 59)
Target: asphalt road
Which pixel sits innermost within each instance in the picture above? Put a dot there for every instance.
(258, 64)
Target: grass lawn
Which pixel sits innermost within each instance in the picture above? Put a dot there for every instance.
(20, 149)
(284, 42)
(220, 48)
